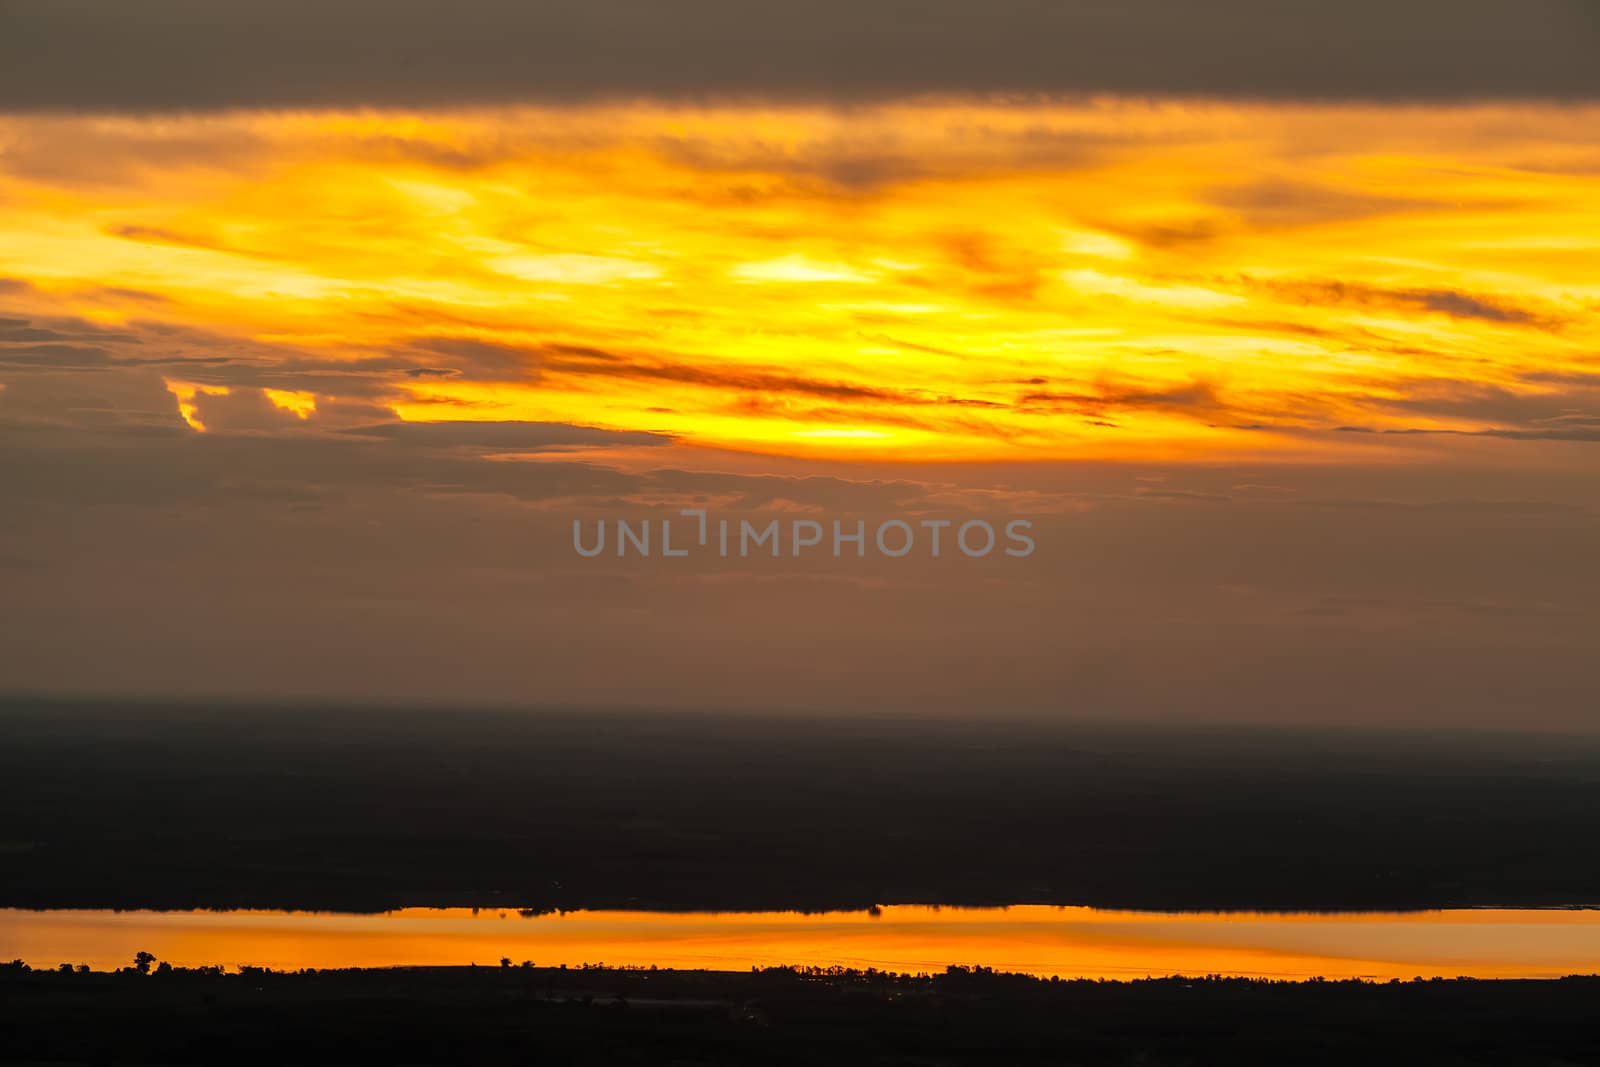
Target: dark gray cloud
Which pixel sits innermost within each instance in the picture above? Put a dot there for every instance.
(1449, 302)
(1280, 202)
(1198, 397)
(1569, 402)
(1554, 433)
(471, 358)
(505, 435)
(1550, 407)
(20, 331)
(177, 54)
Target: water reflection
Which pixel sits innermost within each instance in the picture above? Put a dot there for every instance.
(1066, 941)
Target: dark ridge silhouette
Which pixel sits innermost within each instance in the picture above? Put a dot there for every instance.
(147, 806)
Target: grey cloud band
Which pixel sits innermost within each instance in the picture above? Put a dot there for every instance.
(197, 54)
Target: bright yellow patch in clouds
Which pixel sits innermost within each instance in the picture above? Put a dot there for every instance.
(301, 405)
(929, 280)
(185, 393)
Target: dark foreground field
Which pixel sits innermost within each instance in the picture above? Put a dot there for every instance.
(534, 1015)
(108, 805)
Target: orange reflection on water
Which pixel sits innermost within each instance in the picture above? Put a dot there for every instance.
(1042, 940)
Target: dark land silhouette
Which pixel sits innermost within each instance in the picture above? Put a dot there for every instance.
(121, 804)
(523, 1013)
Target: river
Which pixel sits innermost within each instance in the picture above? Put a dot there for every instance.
(1041, 940)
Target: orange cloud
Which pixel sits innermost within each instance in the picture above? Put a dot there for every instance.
(934, 280)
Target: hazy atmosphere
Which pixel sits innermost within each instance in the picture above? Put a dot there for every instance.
(860, 532)
(1300, 398)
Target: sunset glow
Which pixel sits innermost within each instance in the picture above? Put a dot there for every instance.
(1105, 278)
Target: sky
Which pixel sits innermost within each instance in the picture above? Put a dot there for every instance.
(321, 325)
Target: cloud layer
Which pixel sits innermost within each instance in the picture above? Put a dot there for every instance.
(107, 55)
(932, 281)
